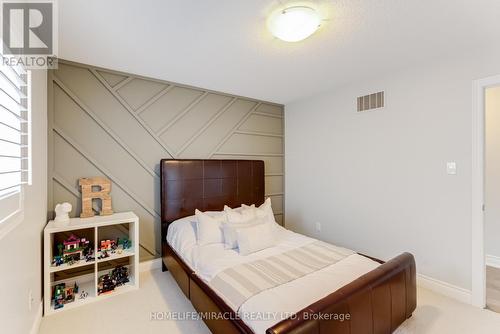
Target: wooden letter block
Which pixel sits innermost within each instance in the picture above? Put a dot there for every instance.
(88, 195)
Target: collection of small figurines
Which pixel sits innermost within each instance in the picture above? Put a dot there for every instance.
(62, 294)
(108, 282)
(76, 249)
(73, 250)
(108, 247)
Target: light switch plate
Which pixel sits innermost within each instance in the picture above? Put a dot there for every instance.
(451, 168)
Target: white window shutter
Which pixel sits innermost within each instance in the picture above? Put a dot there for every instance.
(14, 138)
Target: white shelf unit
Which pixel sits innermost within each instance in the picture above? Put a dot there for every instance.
(86, 274)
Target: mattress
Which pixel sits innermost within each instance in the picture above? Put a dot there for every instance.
(268, 307)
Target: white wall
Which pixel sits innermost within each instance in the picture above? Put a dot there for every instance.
(377, 181)
(21, 249)
(492, 172)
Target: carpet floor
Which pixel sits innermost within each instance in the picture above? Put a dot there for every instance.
(132, 312)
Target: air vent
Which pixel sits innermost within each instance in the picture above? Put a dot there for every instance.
(370, 102)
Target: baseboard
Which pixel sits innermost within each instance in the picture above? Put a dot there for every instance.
(150, 265)
(493, 261)
(446, 289)
(38, 319)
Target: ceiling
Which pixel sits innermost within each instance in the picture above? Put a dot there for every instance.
(223, 45)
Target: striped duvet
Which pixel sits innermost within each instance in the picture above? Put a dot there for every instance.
(239, 283)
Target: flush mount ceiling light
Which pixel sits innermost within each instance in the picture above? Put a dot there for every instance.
(294, 24)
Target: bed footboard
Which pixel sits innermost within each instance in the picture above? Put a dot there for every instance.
(377, 302)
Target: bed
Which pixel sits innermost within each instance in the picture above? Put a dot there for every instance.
(357, 294)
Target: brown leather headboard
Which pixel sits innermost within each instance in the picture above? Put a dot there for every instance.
(187, 185)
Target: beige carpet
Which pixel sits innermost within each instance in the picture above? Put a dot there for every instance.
(131, 313)
(493, 288)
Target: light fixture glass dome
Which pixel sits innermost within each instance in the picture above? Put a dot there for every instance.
(294, 24)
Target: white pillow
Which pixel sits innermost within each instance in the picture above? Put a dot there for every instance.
(241, 215)
(265, 211)
(255, 238)
(209, 227)
(239, 209)
(182, 233)
(229, 230)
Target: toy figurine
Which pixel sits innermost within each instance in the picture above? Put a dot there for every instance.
(103, 254)
(62, 213)
(119, 275)
(62, 294)
(84, 294)
(58, 295)
(107, 245)
(73, 250)
(125, 243)
(85, 244)
(105, 284)
(69, 295)
(89, 256)
(69, 260)
(60, 248)
(58, 260)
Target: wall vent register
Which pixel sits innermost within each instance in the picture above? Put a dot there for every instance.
(371, 101)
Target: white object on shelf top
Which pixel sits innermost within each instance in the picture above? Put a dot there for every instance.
(80, 223)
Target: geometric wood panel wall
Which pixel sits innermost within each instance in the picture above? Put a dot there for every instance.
(118, 125)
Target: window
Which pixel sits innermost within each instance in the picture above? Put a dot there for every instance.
(14, 144)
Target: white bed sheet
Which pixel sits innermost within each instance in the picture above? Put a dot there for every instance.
(270, 306)
(181, 236)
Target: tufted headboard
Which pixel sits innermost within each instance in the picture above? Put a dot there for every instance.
(188, 184)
